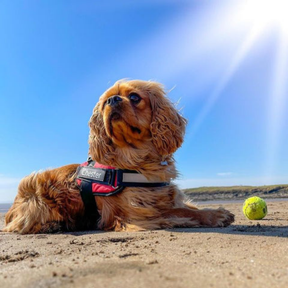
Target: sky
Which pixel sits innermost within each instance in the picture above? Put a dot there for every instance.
(225, 64)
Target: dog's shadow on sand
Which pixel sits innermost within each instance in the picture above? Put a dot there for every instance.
(245, 230)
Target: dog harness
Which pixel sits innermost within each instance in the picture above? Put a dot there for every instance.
(94, 179)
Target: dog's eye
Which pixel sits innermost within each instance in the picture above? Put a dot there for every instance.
(135, 98)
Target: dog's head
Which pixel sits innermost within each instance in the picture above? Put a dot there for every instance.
(134, 114)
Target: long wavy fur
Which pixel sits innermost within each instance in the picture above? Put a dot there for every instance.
(136, 136)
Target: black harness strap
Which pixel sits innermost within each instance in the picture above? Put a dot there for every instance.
(91, 209)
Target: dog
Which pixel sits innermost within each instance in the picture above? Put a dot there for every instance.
(134, 127)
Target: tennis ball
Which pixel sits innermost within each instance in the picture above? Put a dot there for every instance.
(255, 208)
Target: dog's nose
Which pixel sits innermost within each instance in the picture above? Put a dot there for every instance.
(114, 100)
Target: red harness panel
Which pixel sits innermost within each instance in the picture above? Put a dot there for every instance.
(99, 188)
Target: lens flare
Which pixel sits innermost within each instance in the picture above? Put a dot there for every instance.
(261, 17)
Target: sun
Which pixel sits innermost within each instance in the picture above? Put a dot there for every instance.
(264, 13)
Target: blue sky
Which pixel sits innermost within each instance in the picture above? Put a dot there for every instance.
(225, 61)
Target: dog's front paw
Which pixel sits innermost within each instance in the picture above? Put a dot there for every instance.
(222, 217)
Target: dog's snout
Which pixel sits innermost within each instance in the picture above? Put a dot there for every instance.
(114, 100)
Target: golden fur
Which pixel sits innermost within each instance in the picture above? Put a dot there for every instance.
(139, 132)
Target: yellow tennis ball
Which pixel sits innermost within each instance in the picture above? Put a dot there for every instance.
(255, 208)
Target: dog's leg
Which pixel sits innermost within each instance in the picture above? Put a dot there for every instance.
(179, 217)
(28, 210)
(44, 199)
(186, 217)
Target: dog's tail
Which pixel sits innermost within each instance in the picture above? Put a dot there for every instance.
(29, 209)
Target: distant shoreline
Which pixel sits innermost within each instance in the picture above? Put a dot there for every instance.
(222, 195)
(4, 207)
(236, 192)
(235, 201)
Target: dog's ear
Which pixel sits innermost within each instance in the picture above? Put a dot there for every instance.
(100, 145)
(167, 126)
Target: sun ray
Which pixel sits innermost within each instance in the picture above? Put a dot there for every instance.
(261, 14)
(276, 106)
(236, 62)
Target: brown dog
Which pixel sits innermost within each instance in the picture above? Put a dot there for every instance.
(133, 126)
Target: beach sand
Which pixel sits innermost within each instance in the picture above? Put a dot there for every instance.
(246, 254)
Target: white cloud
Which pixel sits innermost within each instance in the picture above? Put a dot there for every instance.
(223, 174)
(8, 188)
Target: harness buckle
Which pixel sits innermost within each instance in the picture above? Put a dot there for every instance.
(112, 178)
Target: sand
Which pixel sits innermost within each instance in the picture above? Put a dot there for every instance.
(246, 254)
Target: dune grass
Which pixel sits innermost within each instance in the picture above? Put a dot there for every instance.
(237, 192)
